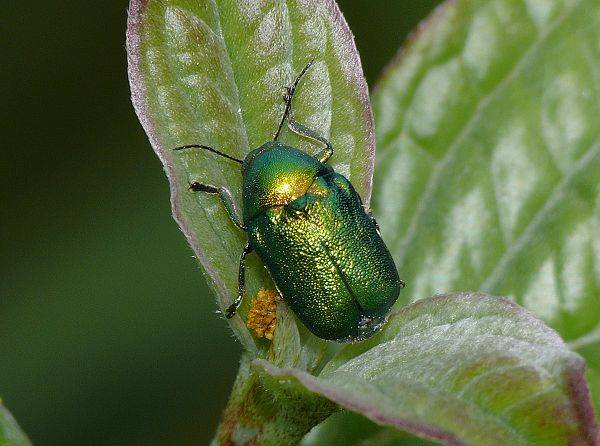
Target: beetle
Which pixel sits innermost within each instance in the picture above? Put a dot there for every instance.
(309, 227)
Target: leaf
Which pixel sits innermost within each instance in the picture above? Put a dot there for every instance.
(489, 159)
(10, 432)
(462, 368)
(214, 72)
(349, 428)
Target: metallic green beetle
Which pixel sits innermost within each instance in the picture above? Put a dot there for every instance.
(309, 227)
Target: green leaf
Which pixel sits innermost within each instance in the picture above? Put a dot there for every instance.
(349, 428)
(462, 368)
(10, 432)
(488, 160)
(214, 72)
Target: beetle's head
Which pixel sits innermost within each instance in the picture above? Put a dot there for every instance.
(256, 153)
(276, 174)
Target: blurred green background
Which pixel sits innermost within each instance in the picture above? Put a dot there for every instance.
(108, 334)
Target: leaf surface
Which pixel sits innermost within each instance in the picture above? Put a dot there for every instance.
(463, 368)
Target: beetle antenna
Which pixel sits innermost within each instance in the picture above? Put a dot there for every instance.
(288, 98)
(210, 149)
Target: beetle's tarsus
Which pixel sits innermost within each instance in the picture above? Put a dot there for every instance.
(376, 225)
(231, 309)
(198, 187)
(226, 199)
(402, 283)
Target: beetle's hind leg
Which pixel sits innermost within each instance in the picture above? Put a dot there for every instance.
(225, 197)
(231, 309)
(298, 128)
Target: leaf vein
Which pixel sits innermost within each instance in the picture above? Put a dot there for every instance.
(557, 195)
(434, 180)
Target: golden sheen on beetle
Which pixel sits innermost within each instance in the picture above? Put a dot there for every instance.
(309, 227)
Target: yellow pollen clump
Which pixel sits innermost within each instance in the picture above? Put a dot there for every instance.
(262, 316)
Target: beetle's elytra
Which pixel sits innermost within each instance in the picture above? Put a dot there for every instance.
(309, 227)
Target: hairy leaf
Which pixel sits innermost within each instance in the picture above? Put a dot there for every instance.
(488, 160)
(214, 72)
(463, 368)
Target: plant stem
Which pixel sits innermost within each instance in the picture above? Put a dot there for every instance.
(264, 411)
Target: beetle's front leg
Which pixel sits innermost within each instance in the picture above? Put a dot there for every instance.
(230, 312)
(302, 130)
(226, 198)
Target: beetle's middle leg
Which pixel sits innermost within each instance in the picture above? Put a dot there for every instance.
(226, 198)
(231, 309)
(298, 128)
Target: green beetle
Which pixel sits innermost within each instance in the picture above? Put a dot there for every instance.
(309, 227)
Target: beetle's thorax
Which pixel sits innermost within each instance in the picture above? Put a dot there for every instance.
(275, 175)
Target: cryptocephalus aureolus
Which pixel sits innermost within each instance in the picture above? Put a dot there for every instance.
(308, 225)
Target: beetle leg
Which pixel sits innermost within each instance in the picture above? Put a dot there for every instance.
(231, 309)
(225, 196)
(301, 129)
(376, 225)
(370, 214)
